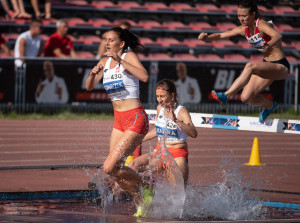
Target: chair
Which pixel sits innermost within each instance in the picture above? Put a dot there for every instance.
(80, 3)
(182, 7)
(235, 57)
(74, 21)
(225, 25)
(100, 22)
(208, 8)
(10, 36)
(90, 39)
(175, 25)
(281, 9)
(201, 26)
(103, 4)
(292, 59)
(151, 24)
(130, 5)
(257, 57)
(194, 42)
(223, 43)
(264, 9)
(157, 6)
(209, 57)
(159, 56)
(244, 43)
(85, 55)
(285, 28)
(131, 22)
(169, 41)
(228, 8)
(295, 44)
(73, 39)
(146, 41)
(185, 56)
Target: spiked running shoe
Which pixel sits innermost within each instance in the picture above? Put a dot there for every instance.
(148, 194)
(265, 113)
(219, 97)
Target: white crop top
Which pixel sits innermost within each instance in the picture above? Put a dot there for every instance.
(118, 84)
(174, 132)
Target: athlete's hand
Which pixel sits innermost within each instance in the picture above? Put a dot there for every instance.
(96, 70)
(114, 56)
(170, 112)
(203, 36)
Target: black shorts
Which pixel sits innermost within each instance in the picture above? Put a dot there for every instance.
(283, 61)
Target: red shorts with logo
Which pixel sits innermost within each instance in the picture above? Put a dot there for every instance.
(135, 120)
(176, 152)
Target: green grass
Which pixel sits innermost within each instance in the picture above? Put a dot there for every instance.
(64, 115)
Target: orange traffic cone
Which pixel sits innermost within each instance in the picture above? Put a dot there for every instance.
(255, 156)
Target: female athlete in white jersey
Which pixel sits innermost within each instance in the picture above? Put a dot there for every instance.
(121, 72)
(256, 76)
(178, 126)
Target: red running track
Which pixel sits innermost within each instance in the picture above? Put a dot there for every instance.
(27, 143)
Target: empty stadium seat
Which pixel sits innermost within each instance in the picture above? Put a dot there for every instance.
(185, 56)
(257, 57)
(235, 57)
(286, 28)
(291, 59)
(78, 3)
(296, 44)
(157, 6)
(201, 26)
(169, 41)
(73, 39)
(225, 25)
(100, 22)
(103, 4)
(209, 57)
(10, 36)
(133, 24)
(90, 39)
(244, 43)
(224, 43)
(194, 42)
(281, 9)
(150, 24)
(208, 8)
(182, 7)
(158, 56)
(49, 21)
(263, 9)
(229, 8)
(175, 25)
(72, 21)
(85, 55)
(146, 41)
(130, 5)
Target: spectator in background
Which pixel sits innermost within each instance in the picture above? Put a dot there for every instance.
(4, 46)
(38, 14)
(28, 44)
(102, 48)
(19, 9)
(187, 88)
(59, 44)
(53, 89)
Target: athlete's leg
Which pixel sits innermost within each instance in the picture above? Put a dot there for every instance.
(140, 164)
(264, 70)
(184, 167)
(121, 147)
(251, 92)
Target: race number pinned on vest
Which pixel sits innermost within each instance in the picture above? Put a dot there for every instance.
(114, 84)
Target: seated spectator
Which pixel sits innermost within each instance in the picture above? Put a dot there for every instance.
(59, 44)
(52, 89)
(28, 44)
(4, 46)
(38, 14)
(102, 49)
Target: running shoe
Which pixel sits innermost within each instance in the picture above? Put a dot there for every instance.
(265, 113)
(148, 194)
(219, 97)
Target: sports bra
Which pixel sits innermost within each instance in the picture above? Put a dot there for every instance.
(257, 38)
(119, 84)
(173, 132)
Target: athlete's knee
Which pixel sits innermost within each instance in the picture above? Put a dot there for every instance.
(251, 66)
(246, 97)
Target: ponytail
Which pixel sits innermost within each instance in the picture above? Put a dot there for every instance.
(131, 41)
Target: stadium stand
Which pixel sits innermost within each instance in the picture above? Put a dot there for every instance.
(168, 29)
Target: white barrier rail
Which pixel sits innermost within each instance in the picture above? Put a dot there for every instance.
(239, 123)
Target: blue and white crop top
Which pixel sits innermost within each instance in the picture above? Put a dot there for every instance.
(118, 84)
(173, 132)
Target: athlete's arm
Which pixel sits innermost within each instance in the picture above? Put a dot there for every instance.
(240, 30)
(95, 75)
(265, 28)
(184, 121)
(132, 65)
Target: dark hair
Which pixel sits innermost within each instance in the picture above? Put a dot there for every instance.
(169, 86)
(129, 38)
(251, 5)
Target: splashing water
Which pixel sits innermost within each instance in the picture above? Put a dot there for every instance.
(226, 200)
